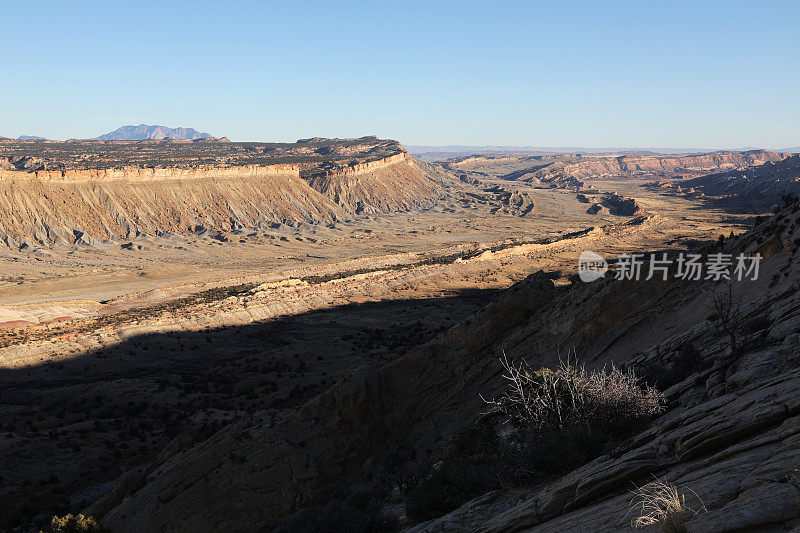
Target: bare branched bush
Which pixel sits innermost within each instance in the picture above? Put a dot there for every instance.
(726, 309)
(661, 505)
(544, 423)
(606, 405)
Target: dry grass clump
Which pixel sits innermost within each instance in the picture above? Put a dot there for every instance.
(74, 524)
(661, 505)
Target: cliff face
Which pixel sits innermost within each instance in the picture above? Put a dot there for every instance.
(84, 206)
(629, 165)
(129, 174)
(70, 207)
(731, 432)
(392, 183)
(693, 163)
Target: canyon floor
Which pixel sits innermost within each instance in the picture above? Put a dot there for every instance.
(115, 355)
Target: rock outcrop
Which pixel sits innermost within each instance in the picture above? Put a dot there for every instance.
(306, 456)
(617, 205)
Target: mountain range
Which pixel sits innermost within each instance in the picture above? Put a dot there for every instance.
(144, 131)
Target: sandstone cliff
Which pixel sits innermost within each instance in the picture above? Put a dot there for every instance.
(83, 207)
(40, 207)
(397, 182)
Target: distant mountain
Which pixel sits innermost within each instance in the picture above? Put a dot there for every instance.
(143, 131)
(794, 150)
(31, 138)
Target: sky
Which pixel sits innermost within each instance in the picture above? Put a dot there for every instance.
(596, 73)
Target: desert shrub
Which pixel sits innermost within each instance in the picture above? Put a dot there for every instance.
(341, 516)
(726, 315)
(74, 524)
(546, 422)
(402, 469)
(662, 506)
(565, 417)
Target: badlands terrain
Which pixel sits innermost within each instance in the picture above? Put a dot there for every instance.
(205, 335)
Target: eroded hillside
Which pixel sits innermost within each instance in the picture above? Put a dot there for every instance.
(393, 183)
(103, 205)
(729, 435)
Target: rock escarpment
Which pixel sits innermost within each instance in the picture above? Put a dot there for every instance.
(730, 434)
(754, 189)
(617, 205)
(86, 207)
(629, 165)
(393, 183)
(570, 171)
(58, 202)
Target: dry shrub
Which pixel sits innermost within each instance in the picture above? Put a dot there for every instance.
(661, 505)
(546, 422)
(565, 417)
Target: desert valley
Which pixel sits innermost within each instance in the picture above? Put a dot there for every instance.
(205, 335)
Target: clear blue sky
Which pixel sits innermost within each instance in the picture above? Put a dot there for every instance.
(594, 73)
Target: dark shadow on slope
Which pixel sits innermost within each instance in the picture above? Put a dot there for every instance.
(69, 428)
